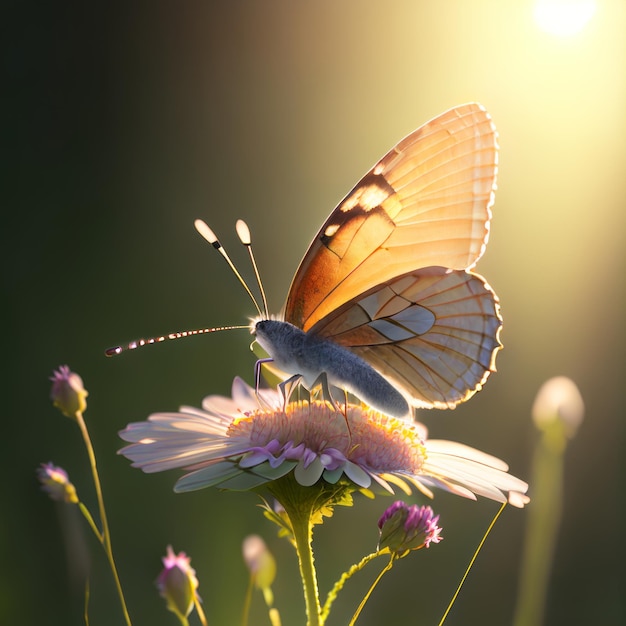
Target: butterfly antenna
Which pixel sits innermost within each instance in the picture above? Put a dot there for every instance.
(139, 343)
(209, 235)
(243, 232)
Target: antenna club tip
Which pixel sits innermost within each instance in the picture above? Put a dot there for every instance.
(243, 232)
(202, 227)
(113, 351)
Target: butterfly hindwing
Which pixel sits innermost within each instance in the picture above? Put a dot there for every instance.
(426, 203)
(432, 332)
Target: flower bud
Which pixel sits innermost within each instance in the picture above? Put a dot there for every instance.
(54, 481)
(177, 583)
(261, 564)
(559, 401)
(259, 561)
(68, 393)
(404, 528)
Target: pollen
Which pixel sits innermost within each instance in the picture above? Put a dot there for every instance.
(363, 436)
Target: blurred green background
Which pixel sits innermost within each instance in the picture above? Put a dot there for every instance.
(121, 124)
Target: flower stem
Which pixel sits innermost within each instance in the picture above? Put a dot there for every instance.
(87, 515)
(301, 504)
(303, 536)
(471, 563)
(338, 586)
(371, 589)
(86, 606)
(105, 537)
(543, 524)
(200, 611)
(246, 604)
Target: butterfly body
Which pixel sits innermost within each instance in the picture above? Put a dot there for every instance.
(309, 356)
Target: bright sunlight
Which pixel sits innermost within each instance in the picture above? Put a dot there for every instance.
(564, 18)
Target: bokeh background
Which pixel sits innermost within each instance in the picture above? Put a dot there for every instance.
(121, 124)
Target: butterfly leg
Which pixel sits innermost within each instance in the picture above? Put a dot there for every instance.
(327, 395)
(257, 378)
(287, 388)
(257, 372)
(345, 414)
(322, 381)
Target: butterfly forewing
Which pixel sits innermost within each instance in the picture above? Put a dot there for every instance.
(432, 332)
(426, 203)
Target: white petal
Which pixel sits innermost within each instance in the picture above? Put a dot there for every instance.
(332, 476)
(382, 482)
(454, 448)
(270, 472)
(248, 399)
(518, 500)
(357, 474)
(243, 395)
(480, 479)
(243, 482)
(308, 476)
(207, 477)
(220, 405)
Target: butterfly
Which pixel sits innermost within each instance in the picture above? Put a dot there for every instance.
(384, 303)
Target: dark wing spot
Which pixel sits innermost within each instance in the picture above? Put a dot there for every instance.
(365, 200)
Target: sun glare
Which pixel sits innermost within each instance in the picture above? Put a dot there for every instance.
(564, 17)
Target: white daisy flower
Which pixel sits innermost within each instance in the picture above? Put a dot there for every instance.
(246, 441)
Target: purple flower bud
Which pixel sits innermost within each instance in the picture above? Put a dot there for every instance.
(68, 393)
(55, 483)
(404, 528)
(177, 583)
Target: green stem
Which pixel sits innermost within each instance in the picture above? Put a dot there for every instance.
(106, 536)
(301, 504)
(542, 528)
(338, 586)
(201, 615)
(246, 604)
(86, 607)
(303, 536)
(371, 589)
(471, 563)
(87, 515)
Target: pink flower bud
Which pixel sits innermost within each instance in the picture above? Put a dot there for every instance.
(404, 528)
(177, 583)
(68, 393)
(54, 481)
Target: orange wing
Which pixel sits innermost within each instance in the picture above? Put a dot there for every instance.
(426, 203)
(433, 333)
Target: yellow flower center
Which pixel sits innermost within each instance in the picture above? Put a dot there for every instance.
(363, 436)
